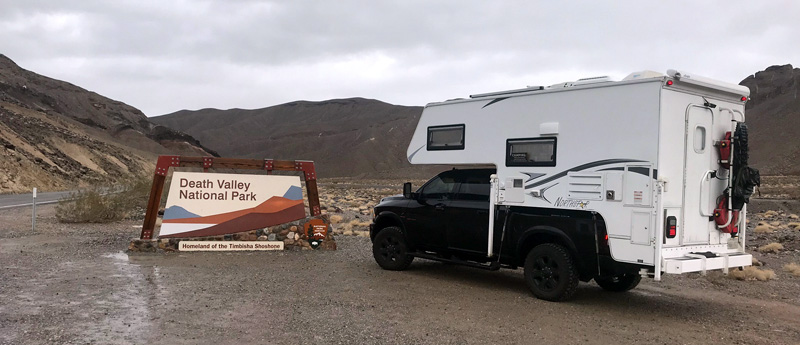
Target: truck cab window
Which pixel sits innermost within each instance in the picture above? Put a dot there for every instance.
(474, 189)
(439, 188)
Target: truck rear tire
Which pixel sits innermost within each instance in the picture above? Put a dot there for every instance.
(550, 272)
(620, 283)
(390, 249)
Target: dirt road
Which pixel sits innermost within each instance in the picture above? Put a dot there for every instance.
(74, 284)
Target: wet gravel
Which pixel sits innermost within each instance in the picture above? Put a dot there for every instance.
(75, 284)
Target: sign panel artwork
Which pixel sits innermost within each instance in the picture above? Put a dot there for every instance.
(208, 204)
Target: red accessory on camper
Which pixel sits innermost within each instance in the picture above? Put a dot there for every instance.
(724, 148)
(721, 217)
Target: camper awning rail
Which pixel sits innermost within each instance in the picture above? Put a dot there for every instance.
(689, 78)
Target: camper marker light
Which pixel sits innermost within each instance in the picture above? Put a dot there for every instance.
(744, 98)
(669, 82)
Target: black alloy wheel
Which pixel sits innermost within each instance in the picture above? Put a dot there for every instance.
(550, 272)
(390, 249)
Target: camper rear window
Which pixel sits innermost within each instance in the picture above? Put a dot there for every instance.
(450, 137)
(538, 152)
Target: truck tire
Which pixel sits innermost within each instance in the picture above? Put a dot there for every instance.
(550, 272)
(390, 249)
(620, 283)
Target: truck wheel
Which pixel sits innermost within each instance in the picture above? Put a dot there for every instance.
(620, 283)
(550, 272)
(390, 249)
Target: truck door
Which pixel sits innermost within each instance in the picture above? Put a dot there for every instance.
(698, 179)
(468, 217)
(425, 218)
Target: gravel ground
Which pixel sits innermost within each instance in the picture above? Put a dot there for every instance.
(75, 284)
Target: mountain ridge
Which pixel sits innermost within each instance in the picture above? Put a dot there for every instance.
(56, 135)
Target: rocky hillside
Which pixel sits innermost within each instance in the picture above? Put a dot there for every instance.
(346, 137)
(773, 114)
(56, 135)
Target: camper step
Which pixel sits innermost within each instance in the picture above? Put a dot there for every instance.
(702, 262)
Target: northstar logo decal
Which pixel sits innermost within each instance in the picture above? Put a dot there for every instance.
(560, 202)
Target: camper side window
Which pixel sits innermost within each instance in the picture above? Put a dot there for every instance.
(450, 137)
(538, 152)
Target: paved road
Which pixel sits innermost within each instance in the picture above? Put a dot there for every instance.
(25, 200)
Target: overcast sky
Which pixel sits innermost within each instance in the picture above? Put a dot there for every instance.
(162, 56)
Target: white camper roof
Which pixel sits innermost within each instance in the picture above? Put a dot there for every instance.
(603, 81)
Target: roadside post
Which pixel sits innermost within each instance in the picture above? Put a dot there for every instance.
(33, 218)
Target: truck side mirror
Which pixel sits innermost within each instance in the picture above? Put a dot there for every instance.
(407, 190)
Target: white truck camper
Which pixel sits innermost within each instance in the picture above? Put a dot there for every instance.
(653, 156)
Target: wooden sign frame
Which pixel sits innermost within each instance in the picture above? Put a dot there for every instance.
(165, 162)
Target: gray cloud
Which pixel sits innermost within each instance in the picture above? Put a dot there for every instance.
(164, 56)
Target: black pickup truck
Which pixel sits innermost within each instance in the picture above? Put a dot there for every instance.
(447, 219)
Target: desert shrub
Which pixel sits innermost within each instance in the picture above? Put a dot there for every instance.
(794, 225)
(764, 228)
(792, 268)
(770, 214)
(98, 205)
(773, 247)
(336, 219)
(752, 273)
(355, 223)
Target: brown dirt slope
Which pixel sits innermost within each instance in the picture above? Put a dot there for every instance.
(773, 115)
(55, 135)
(345, 137)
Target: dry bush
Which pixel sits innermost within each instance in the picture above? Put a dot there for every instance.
(756, 262)
(770, 214)
(355, 223)
(794, 225)
(775, 224)
(752, 273)
(101, 206)
(794, 216)
(336, 219)
(763, 228)
(773, 247)
(792, 268)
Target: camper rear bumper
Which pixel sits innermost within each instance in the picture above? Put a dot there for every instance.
(701, 263)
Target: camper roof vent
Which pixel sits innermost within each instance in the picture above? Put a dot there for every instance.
(643, 75)
(592, 80)
(582, 81)
(527, 89)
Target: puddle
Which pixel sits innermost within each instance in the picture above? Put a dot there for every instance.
(127, 305)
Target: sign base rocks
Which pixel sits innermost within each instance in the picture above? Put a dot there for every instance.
(291, 234)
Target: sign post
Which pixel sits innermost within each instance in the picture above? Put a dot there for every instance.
(33, 218)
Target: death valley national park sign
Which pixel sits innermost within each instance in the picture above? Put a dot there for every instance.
(208, 204)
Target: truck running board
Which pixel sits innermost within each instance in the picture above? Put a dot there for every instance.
(492, 266)
(702, 262)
